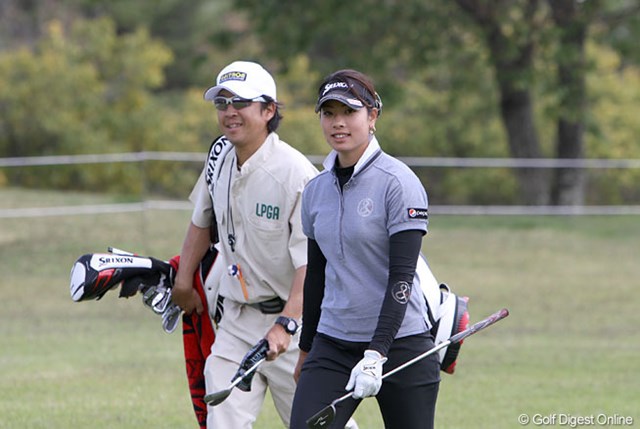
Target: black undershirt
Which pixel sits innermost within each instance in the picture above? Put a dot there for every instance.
(343, 174)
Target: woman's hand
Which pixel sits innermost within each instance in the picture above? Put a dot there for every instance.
(301, 358)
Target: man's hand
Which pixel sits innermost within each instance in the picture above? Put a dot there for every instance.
(279, 341)
(366, 376)
(195, 246)
(185, 296)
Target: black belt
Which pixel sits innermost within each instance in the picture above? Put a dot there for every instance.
(271, 306)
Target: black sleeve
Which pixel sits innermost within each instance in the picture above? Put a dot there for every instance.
(312, 295)
(404, 249)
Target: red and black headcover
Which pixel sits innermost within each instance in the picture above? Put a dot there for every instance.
(94, 274)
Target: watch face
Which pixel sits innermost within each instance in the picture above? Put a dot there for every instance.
(289, 324)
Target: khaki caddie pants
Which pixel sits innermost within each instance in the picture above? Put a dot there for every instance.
(240, 329)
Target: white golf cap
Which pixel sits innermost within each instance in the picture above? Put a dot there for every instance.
(245, 79)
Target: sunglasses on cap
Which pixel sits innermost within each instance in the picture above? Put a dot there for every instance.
(222, 103)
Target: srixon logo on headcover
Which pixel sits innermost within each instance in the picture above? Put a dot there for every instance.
(102, 261)
(116, 260)
(268, 211)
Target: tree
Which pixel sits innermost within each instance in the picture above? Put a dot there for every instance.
(511, 40)
(405, 40)
(613, 126)
(203, 35)
(84, 90)
(569, 27)
(572, 21)
(512, 58)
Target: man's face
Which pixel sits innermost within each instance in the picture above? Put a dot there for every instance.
(246, 126)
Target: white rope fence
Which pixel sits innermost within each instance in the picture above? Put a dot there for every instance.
(93, 209)
(97, 209)
(198, 157)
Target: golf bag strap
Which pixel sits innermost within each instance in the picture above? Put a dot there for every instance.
(217, 152)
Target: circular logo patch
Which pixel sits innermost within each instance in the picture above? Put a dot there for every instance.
(365, 207)
(401, 292)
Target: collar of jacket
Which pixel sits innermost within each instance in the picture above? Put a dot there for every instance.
(372, 151)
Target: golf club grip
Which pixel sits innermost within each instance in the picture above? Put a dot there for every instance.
(498, 315)
(237, 381)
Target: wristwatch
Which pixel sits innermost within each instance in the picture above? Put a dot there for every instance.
(289, 324)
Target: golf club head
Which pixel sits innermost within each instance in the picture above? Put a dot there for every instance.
(171, 318)
(323, 418)
(216, 398)
(148, 296)
(161, 300)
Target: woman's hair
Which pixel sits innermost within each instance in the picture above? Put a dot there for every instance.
(360, 85)
(274, 122)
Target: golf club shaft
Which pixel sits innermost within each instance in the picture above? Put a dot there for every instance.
(249, 371)
(401, 367)
(454, 339)
(210, 397)
(324, 417)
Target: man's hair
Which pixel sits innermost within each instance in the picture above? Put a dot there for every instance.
(274, 122)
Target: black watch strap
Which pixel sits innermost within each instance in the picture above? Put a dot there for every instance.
(288, 323)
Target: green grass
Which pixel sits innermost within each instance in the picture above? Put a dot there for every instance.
(570, 345)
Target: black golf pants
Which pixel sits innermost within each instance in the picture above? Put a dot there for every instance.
(407, 399)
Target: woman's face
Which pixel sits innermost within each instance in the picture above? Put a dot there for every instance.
(346, 130)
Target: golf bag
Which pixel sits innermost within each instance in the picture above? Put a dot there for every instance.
(447, 313)
(93, 275)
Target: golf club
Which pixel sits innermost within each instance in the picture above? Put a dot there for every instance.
(323, 418)
(216, 398)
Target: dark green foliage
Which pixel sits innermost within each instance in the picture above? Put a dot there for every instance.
(88, 76)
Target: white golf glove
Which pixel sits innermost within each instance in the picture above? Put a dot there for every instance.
(366, 376)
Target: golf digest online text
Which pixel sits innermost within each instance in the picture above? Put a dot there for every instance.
(574, 421)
